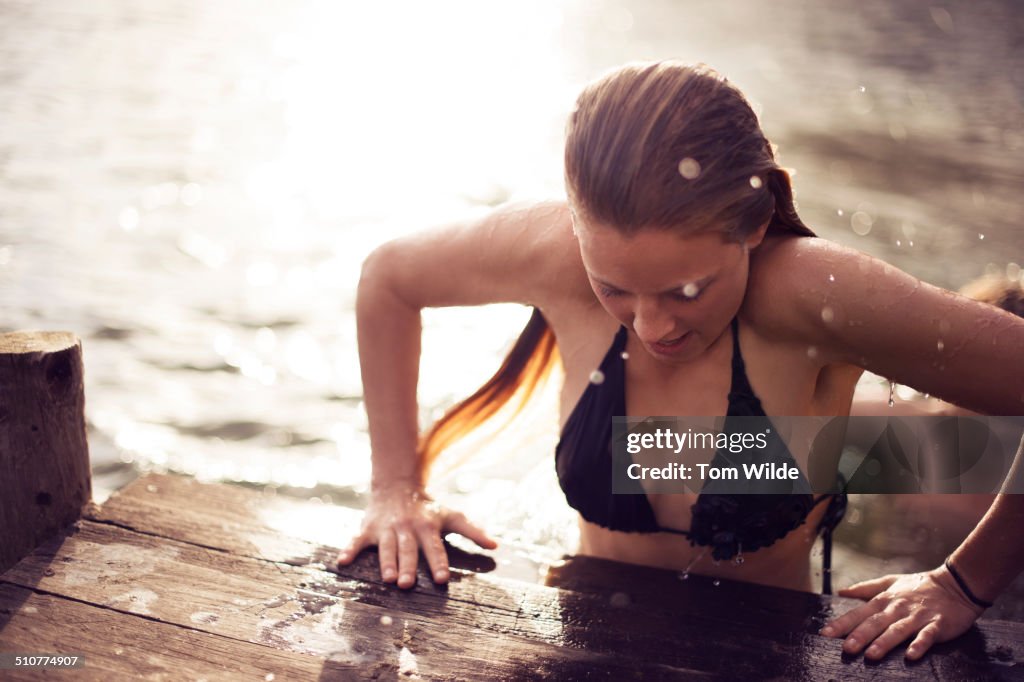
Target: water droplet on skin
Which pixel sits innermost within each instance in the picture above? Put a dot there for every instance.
(892, 390)
(624, 355)
(597, 377)
(812, 352)
(981, 236)
(926, 396)
(755, 182)
(717, 582)
(691, 290)
(827, 314)
(831, 278)
(940, 345)
(739, 560)
(689, 168)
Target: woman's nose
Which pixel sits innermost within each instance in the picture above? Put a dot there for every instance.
(652, 324)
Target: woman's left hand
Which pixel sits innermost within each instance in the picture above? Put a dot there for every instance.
(927, 604)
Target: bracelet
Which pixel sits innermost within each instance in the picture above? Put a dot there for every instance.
(963, 586)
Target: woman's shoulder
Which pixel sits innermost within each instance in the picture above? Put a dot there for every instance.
(516, 253)
(788, 273)
(810, 289)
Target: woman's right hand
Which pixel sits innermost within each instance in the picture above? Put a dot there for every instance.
(401, 520)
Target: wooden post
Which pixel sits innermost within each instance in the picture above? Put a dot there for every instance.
(44, 456)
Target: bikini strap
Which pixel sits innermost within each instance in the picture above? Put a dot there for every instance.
(740, 389)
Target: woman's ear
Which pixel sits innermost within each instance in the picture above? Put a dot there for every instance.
(755, 239)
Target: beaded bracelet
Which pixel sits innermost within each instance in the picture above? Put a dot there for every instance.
(963, 586)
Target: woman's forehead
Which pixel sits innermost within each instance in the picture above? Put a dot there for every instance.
(653, 259)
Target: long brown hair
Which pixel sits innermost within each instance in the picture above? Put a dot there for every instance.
(655, 145)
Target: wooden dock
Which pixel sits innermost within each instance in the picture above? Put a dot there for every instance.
(173, 579)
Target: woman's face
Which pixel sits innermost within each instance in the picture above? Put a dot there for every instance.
(678, 293)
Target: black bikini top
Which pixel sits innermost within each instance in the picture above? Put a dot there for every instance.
(727, 523)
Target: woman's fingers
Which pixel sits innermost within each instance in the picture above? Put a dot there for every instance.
(387, 547)
(408, 557)
(898, 632)
(352, 550)
(458, 523)
(869, 588)
(924, 640)
(867, 631)
(840, 627)
(433, 549)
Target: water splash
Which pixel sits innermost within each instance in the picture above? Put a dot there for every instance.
(624, 355)
(685, 573)
(892, 390)
(597, 377)
(716, 582)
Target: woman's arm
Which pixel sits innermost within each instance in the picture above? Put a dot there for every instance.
(510, 255)
(858, 310)
(933, 606)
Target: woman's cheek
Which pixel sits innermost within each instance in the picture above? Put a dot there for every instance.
(617, 309)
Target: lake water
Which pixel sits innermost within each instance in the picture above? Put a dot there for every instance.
(190, 186)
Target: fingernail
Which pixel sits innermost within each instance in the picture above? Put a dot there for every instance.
(827, 631)
(406, 578)
(441, 576)
(873, 651)
(389, 575)
(343, 556)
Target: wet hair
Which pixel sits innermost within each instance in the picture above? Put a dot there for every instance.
(997, 290)
(666, 145)
(657, 145)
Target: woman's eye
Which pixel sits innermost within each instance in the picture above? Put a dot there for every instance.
(680, 296)
(609, 293)
(690, 292)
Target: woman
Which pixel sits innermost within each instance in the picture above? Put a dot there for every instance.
(677, 279)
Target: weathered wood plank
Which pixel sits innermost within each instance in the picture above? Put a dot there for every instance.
(44, 457)
(290, 608)
(280, 605)
(123, 647)
(250, 523)
(274, 529)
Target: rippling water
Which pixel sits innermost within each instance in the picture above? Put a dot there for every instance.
(190, 186)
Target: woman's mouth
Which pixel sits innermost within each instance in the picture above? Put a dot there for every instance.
(670, 346)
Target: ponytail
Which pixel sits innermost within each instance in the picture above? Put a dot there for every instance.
(529, 362)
